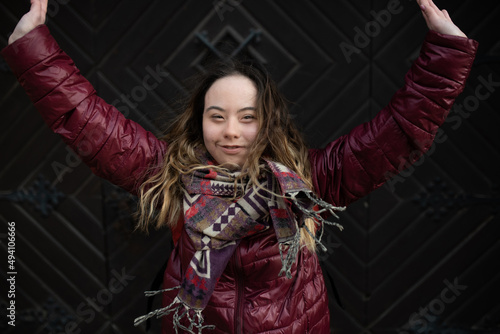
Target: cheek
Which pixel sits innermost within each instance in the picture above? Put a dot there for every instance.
(252, 132)
(207, 132)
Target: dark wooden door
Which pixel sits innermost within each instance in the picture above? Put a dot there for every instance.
(420, 254)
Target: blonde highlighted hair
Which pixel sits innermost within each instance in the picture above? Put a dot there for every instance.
(160, 201)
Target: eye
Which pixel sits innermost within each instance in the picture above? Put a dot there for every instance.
(249, 117)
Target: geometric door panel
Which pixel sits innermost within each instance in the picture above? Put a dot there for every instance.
(418, 255)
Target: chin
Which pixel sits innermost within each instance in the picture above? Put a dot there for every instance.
(231, 165)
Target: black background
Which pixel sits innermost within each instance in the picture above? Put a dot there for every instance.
(439, 223)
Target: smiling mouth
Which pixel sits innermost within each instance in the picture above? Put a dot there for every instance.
(232, 149)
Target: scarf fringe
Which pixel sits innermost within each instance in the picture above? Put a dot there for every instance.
(194, 317)
(154, 293)
(291, 255)
(326, 207)
(294, 245)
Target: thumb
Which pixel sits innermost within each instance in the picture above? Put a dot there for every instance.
(38, 10)
(446, 14)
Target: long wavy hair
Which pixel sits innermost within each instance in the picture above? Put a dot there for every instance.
(160, 201)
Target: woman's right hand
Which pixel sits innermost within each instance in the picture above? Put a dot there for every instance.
(439, 20)
(30, 20)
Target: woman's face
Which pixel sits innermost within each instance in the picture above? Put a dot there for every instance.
(230, 123)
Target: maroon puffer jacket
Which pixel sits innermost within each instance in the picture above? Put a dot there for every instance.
(250, 297)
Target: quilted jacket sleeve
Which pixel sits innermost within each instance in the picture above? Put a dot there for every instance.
(361, 161)
(115, 148)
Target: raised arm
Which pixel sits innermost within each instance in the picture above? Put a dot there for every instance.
(355, 164)
(115, 148)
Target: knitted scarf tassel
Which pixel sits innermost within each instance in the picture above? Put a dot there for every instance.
(294, 244)
(194, 317)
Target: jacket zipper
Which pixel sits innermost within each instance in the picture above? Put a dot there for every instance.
(239, 286)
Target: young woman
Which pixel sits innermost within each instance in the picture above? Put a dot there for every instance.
(233, 179)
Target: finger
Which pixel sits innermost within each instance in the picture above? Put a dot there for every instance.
(35, 7)
(432, 13)
(39, 10)
(446, 14)
(44, 7)
(426, 18)
(432, 8)
(426, 7)
(421, 4)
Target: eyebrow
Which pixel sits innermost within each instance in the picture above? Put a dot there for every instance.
(222, 109)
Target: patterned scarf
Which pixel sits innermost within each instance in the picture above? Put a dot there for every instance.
(218, 213)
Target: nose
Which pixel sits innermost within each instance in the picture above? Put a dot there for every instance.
(232, 129)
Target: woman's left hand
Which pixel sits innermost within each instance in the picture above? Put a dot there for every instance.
(438, 20)
(30, 20)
